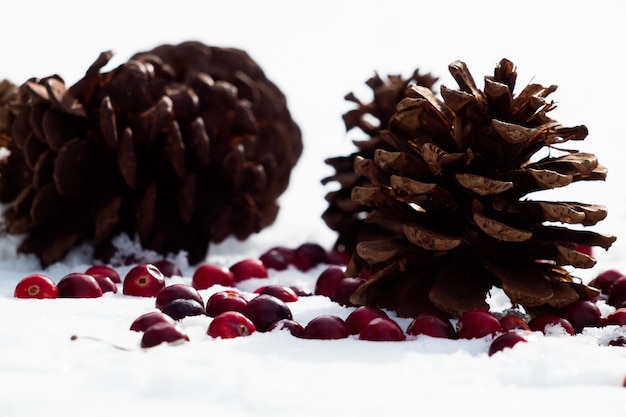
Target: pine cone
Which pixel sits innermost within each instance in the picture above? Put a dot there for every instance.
(181, 145)
(457, 181)
(343, 215)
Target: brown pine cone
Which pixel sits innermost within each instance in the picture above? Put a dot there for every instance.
(344, 215)
(181, 145)
(457, 176)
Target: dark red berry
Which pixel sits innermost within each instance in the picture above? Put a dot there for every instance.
(77, 285)
(433, 325)
(106, 271)
(587, 250)
(617, 317)
(229, 325)
(328, 279)
(208, 275)
(512, 322)
(362, 316)
(223, 301)
(292, 326)
(163, 333)
(382, 330)
(144, 280)
(146, 320)
(344, 289)
(617, 293)
(274, 259)
(248, 268)
(168, 268)
(36, 286)
(551, 323)
(337, 257)
(265, 310)
(618, 341)
(180, 308)
(582, 313)
(105, 283)
(506, 341)
(175, 292)
(326, 327)
(477, 323)
(301, 291)
(604, 280)
(309, 255)
(281, 292)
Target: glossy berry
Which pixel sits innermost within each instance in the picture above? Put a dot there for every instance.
(36, 286)
(248, 268)
(275, 259)
(77, 285)
(382, 330)
(506, 341)
(582, 313)
(265, 310)
(168, 268)
(163, 333)
(617, 317)
(309, 255)
(147, 320)
(604, 280)
(301, 291)
(337, 257)
(326, 327)
(344, 289)
(104, 270)
(223, 301)
(144, 280)
(105, 283)
(550, 324)
(180, 308)
(511, 322)
(291, 326)
(433, 325)
(286, 294)
(208, 275)
(328, 279)
(362, 316)
(617, 293)
(477, 323)
(175, 292)
(229, 325)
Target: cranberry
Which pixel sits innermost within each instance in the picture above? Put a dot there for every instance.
(433, 325)
(144, 280)
(301, 291)
(292, 326)
(477, 323)
(546, 323)
(180, 308)
(227, 300)
(163, 333)
(309, 255)
(146, 320)
(505, 341)
(587, 250)
(328, 279)
(104, 270)
(338, 257)
(618, 317)
(511, 322)
(382, 330)
(248, 268)
(362, 316)
(168, 268)
(36, 286)
(617, 293)
(77, 285)
(582, 313)
(274, 259)
(208, 275)
(344, 289)
(105, 283)
(265, 310)
(281, 292)
(229, 325)
(604, 280)
(618, 341)
(326, 327)
(177, 291)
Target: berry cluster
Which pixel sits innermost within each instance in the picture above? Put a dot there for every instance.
(236, 313)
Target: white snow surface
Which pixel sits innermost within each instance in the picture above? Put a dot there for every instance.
(316, 53)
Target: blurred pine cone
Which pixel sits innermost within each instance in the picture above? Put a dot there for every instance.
(345, 216)
(181, 145)
(457, 180)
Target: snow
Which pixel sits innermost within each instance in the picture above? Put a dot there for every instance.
(316, 52)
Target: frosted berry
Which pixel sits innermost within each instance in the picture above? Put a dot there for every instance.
(433, 325)
(382, 330)
(77, 285)
(36, 286)
(208, 275)
(144, 280)
(229, 325)
(477, 323)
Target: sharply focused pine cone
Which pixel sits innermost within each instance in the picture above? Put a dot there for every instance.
(181, 145)
(343, 215)
(457, 181)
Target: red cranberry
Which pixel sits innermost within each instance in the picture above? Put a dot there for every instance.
(223, 301)
(208, 275)
(433, 325)
(477, 323)
(106, 271)
(618, 341)
(292, 326)
(505, 341)
(265, 310)
(274, 259)
(163, 333)
(547, 323)
(511, 322)
(168, 268)
(382, 330)
(618, 317)
(77, 285)
(309, 255)
(105, 283)
(180, 308)
(338, 257)
(344, 289)
(248, 268)
(362, 316)
(582, 313)
(36, 286)
(144, 280)
(177, 291)
(146, 320)
(328, 279)
(301, 291)
(587, 250)
(326, 327)
(281, 292)
(604, 280)
(617, 293)
(229, 325)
